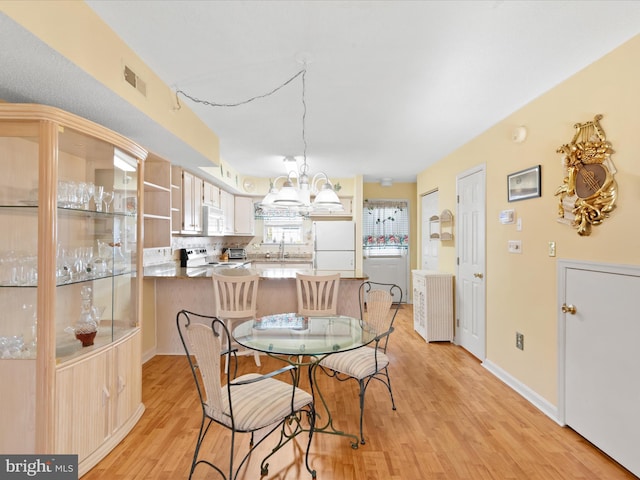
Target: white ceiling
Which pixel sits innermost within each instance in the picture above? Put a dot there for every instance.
(391, 86)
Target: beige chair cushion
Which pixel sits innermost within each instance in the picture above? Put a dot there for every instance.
(358, 363)
(259, 404)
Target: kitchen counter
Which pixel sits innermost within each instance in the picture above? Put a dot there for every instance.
(170, 288)
(278, 270)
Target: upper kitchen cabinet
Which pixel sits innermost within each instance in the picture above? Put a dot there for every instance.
(70, 193)
(211, 195)
(244, 216)
(157, 202)
(192, 197)
(227, 204)
(346, 211)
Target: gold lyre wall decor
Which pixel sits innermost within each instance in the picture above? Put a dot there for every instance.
(588, 192)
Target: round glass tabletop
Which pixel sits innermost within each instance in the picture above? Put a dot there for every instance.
(292, 334)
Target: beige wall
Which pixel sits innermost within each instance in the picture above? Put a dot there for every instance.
(522, 289)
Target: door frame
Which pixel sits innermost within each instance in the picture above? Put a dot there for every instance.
(563, 266)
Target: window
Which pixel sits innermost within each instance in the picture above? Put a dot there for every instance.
(288, 229)
(385, 227)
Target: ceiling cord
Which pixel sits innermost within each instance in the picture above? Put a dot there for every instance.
(215, 104)
(302, 72)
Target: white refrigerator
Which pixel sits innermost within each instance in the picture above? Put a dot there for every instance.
(334, 244)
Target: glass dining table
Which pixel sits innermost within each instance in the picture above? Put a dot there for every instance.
(305, 341)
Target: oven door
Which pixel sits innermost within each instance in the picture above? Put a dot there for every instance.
(213, 219)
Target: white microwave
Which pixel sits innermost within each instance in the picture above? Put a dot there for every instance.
(212, 220)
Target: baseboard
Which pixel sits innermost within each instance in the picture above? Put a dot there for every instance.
(536, 400)
(148, 355)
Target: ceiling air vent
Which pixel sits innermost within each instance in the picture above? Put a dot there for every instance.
(135, 81)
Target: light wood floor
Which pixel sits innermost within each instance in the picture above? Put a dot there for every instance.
(454, 421)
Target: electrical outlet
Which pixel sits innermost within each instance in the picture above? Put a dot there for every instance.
(514, 246)
(552, 249)
(519, 340)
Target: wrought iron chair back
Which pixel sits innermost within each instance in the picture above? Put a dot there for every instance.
(379, 305)
(248, 403)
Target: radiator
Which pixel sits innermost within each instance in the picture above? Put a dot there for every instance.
(433, 305)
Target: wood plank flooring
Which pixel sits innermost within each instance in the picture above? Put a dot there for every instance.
(454, 420)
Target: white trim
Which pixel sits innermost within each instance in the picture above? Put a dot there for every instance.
(536, 400)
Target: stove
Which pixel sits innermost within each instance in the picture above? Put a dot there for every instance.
(199, 258)
(193, 257)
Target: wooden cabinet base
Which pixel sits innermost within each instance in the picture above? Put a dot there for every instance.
(93, 459)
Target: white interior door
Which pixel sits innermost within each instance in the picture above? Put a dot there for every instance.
(429, 245)
(601, 358)
(470, 281)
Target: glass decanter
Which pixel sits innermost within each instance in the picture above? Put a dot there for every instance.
(86, 328)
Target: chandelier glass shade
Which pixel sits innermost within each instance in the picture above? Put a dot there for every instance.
(296, 191)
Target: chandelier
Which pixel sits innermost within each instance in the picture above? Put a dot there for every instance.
(296, 190)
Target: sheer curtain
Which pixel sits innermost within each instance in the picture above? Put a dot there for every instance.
(385, 227)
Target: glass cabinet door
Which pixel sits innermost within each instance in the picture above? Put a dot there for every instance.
(19, 152)
(96, 244)
(95, 191)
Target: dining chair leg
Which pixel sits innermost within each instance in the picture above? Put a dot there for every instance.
(363, 389)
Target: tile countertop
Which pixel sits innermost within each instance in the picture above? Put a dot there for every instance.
(170, 270)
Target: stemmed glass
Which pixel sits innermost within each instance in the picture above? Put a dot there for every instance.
(89, 194)
(107, 199)
(98, 196)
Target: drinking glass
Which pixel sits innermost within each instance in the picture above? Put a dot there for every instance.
(91, 191)
(83, 196)
(107, 198)
(98, 196)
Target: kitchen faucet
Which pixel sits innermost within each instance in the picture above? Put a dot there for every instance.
(282, 248)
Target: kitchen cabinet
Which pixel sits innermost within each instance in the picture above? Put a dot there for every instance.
(192, 197)
(68, 271)
(244, 216)
(211, 195)
(101, 391)
(227, 204)
(157, 202)
(346, 211)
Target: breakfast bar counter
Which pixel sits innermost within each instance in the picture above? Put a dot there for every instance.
(174, 288)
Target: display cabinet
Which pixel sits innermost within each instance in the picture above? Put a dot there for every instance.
(70, 253)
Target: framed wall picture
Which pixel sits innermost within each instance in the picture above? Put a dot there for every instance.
(524, 184)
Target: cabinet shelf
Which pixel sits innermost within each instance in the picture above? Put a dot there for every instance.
(441, 226)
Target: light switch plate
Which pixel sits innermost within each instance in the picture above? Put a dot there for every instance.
(515, 246)
(507, 216)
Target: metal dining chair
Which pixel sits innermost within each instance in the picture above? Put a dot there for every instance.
(317, 294)
(244, 404)
(235, 294)
(379, 305)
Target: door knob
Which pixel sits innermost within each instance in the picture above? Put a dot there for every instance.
(568, 309)
(478, 275)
